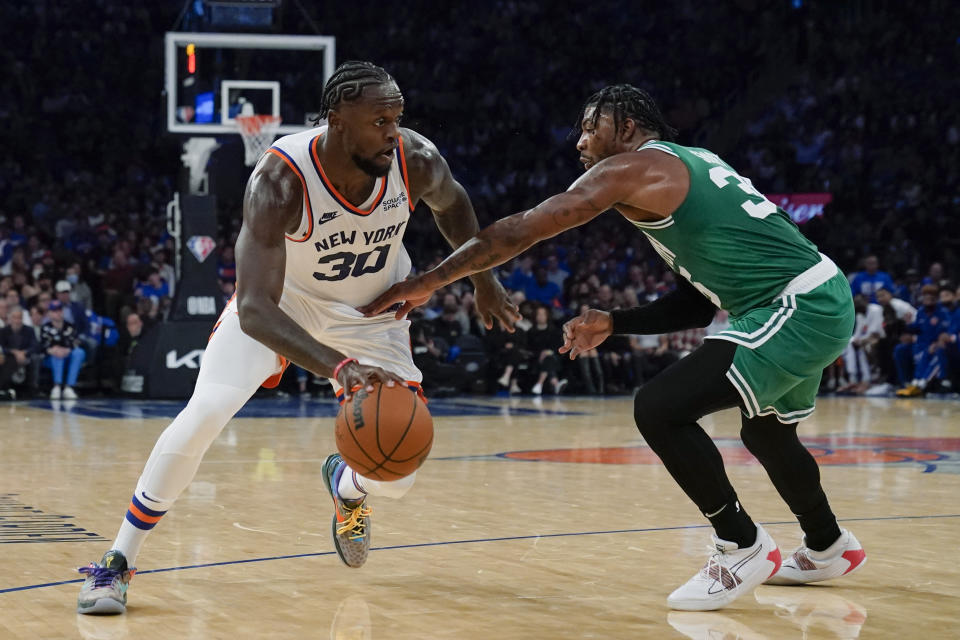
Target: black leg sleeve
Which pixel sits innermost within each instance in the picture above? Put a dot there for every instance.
(795, 474)
(667, 409)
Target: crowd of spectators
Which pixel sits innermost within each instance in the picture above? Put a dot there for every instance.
(86, 171)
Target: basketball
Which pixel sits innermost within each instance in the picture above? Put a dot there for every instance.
(385, 434)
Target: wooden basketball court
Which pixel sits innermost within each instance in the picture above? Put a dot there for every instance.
(532, 519)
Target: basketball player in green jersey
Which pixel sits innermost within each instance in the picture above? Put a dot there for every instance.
(791, 315)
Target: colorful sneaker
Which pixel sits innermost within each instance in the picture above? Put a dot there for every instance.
(351, 518)
(805, 565)
(105, 589)
(729, 573)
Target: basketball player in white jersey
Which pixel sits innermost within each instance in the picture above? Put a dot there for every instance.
(324, 215)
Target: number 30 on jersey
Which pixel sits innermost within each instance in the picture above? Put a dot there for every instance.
(346, 263)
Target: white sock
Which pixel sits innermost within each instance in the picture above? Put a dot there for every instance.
(348, 488)
(174, 460)
(142, 516)
(354, 486)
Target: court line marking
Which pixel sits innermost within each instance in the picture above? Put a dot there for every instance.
(318, 554)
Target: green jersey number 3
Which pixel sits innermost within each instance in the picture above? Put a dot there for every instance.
(721, 177)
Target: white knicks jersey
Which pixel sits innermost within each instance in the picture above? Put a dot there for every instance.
(342, 253)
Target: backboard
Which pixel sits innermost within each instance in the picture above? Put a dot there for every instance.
(209, 78)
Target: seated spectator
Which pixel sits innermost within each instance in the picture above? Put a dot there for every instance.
(555, 272)
(652, 289)
(154, 287)
(440, 378)
(506, 352)
(897, 314)
(683, 343)
(130, 337)
(117, 282)
(61, 343)
(543, 290)
(948, 299)
(616, 358)
(604, 299)
(468, 305)
(120, 364)
(591, 370)
(434, 306)
(453, 322)
(73, 312)
(37, 319)
(543, 340)
(227, 265)
(149, 311)
(934, 274)
(12, 297)
(79, 289)
(651, 355)
(867, 331)
(521, 275)
(925, 359)
(909, 289)
(22, 350)
(867, 282)
(41, 299)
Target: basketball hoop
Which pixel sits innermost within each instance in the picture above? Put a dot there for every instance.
(258, 133)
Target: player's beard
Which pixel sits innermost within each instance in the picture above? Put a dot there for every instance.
(371, 168)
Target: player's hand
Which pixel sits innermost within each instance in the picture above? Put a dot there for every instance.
(353, 376)
(411, 292)
(493, 301)
(586, 332)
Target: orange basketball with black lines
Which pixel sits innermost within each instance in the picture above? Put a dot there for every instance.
(385, 434)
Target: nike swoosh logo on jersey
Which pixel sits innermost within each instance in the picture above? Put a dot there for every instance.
(327, 217)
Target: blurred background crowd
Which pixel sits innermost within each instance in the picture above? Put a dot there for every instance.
(857, 100)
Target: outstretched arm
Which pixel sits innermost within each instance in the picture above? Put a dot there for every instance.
(432, 181)
(606, 184)
(683, 308)
(272, 206)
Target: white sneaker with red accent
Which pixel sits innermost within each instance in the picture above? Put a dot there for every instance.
(729, 573)
(805, 565)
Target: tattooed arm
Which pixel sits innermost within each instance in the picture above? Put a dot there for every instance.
(634, 181)
(432, 182)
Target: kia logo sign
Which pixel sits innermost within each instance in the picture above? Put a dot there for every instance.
(190, 361)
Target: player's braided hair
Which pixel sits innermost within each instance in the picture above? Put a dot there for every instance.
(626, 101)
(348, 81)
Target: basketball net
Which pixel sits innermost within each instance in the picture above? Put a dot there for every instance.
(258, 132)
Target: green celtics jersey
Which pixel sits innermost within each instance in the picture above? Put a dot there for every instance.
(736, 247)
